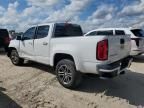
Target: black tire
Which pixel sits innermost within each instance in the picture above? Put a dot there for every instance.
(67, 74)
(15, 59)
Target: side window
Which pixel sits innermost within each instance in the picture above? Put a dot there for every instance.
(42, 32)
(29, 34)
(108, 32)
(119, 32)
(92, 33)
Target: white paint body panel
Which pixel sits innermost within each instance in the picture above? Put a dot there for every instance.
(27, 49)
(82, 49)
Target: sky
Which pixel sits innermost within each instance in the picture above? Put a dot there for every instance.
(90, 14)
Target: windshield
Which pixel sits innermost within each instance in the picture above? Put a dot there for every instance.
(138, 32)
(67, 30)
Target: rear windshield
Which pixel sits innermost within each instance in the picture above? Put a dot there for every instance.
(138, 32)
(67, 30)
(98, 33)
(3, 33)
(108, 32)
(119, 32)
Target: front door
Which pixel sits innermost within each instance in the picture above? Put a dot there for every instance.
(27, 44)
(41, 44)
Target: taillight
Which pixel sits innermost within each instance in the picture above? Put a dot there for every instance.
(7, 40)
(102, 50)
(137, 40)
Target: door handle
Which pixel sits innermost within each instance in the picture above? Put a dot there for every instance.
(45, 43)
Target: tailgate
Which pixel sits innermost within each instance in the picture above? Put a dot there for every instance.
(141, 43)
(119, 47)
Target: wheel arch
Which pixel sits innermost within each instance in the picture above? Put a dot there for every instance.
(59, 56)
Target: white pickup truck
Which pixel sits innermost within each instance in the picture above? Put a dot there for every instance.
(64, 47)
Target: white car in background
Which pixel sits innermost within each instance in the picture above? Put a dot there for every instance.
(137, 37)
(137, 41)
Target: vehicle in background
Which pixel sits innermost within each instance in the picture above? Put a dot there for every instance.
(63, 46)
(15, 34)
(4, 39)
(137, 38)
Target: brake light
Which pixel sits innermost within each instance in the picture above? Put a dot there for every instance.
(102, 50)
(136, 40)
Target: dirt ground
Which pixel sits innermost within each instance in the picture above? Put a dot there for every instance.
(35, 86)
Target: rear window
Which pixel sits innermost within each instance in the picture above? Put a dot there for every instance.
(3, 33)
(95, 33)
(138, 32)
(67, 30)
(108, 32)
(119, 32)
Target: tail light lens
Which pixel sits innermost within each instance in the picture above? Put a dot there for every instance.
(102, 50)
(7, 40)
(137, 40)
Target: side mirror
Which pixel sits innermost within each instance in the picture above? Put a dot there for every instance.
(19, 38)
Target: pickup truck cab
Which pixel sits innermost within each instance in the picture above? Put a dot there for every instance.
(63, 46)
(136, 35)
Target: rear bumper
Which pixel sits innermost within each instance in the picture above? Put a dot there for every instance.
(114, 69)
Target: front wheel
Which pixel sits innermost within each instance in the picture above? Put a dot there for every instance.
(16, 60)
(67, 74)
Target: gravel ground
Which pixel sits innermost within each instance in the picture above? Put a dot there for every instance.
(35, 86)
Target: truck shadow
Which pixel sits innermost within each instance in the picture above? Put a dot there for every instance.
(129, 86)
(45, 68)
(6, 101)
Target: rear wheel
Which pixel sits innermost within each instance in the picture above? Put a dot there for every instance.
(67, 74)
(16, 60)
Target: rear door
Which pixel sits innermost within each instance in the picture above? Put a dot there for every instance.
(41, 44)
